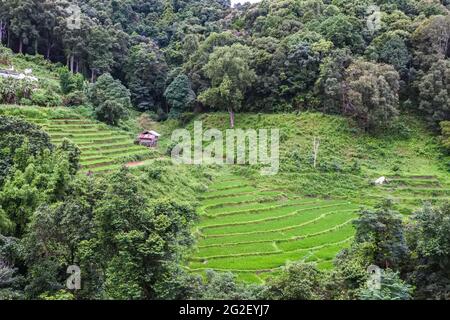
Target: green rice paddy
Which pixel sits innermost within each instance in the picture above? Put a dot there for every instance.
(253, 231)
(412, 191)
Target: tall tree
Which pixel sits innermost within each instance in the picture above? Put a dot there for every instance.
(44, 179)
(25, 18)
(230, 73)
(343, 31)
(383, 228)
(14, 133)
(146, 72)
(432, 247)
(52, 26)
(194, 66)
(330, 85)
(371, 94)
(391, 48)
(99, 49)
(110, 99)
(136, 240)
(179, 95)
(299, 281)
(75, 44)
(434, 92)
(432, 40)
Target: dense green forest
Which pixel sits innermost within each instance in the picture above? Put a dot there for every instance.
(371, 78)
(340, 57)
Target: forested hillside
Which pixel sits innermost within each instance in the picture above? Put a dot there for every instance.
(359, 89)
(365, 59)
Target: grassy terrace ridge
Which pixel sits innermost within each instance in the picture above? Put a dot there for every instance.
(103, 148)
(254, 231)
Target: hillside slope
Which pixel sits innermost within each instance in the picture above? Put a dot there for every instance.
(252, 225)
(349, 160)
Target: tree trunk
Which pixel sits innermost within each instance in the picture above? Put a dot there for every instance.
(92, 75)
(231, 112)
(20, 46)
(316, 144)
(36, 47)
(1, 31)
(72, 59)
(49, 48)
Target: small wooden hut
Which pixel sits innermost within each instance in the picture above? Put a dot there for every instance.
(148, 138)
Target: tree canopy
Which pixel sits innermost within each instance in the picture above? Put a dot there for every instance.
(268, 56)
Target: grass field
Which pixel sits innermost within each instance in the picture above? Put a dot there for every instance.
(253, 227)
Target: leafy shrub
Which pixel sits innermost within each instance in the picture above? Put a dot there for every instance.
(14, 133)
(110, 99)
(186, 117)
(146, 121)
(70, 82)
(136, 157)
(170, 148)
(154, 173)
(12, 91)
(75, 98)
(5, 55)
(45, 98)
(445, 127)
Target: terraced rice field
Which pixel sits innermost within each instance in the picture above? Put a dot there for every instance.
(411, 191)
(254, 232)
(102, 148)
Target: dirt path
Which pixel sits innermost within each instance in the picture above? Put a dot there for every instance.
(134, 164)
(140, 163)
